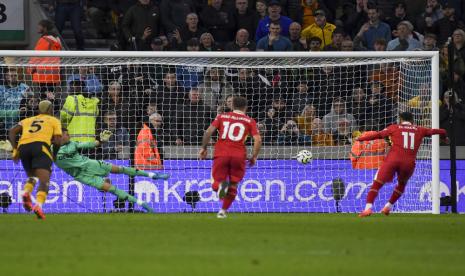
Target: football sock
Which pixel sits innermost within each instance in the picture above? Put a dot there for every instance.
(41, 197)
(30, 183)
(397, 193)
(388, 205)
(229, 198)
(373, 193)
(133, 172)
(122, 194)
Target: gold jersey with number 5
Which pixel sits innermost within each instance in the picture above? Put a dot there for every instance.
(40, 128)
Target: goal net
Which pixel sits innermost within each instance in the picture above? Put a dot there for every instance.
(158, 105)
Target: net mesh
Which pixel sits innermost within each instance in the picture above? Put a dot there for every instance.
(317, 104)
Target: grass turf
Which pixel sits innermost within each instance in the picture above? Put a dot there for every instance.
(242, 244)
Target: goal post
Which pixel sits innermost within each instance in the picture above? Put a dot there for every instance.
(272, 80)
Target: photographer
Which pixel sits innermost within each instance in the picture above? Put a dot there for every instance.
(290, 135)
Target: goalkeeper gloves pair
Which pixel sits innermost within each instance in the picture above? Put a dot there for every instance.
(105, 136)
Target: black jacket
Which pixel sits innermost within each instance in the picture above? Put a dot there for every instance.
(174, 12)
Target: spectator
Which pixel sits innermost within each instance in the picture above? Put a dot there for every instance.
(250, 86)
(219, 21)
(118, 145)
(429, 43)
(281, 111)
(380, 45)
(373, 29)
(241, 43)
(404, 40)
(347, 45)
(190, 30)
(168, 97)
(29, 106)
(300, 98)
(358, 106)
(433, 12)
(99, 12)
(90, 80)
(338, 119)
(261, 7)
(320, 29)
(459, 112)
(290, 135)
(274, 41)
(79, 113)
(214, 89)
(189, 76)
(379, 106)
(314, 44)
(337, 37)
(270, 126)
(226, 106)
(319, 137)
(355, 18)
(445, 26)
(157, 44)
(388, 74)
(174, 14)
(400, 14)
(193, 117)
(308, 7)
(69, 10)
(305, 119)
(141, 24)
(274, 15)
(46, 77)
(207, 43)
(148, 154)
(11, 95)
(113, 100)
(245, 18)
(298, 43)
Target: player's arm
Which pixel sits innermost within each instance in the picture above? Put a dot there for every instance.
(205, 140)
(378, 135)
(12, 133)
(257, 145)
(87, 145)
(433, 131)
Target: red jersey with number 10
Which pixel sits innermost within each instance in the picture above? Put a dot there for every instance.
(233, 128)
(406, 139)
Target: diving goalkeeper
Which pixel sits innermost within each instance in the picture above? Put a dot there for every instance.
(92, 172)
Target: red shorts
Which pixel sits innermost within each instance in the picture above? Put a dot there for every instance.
(228, 168)
(388, 169)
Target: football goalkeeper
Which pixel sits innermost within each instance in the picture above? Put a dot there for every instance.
(92, 172)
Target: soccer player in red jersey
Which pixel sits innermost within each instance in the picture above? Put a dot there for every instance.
(406, 139)
(230, 154)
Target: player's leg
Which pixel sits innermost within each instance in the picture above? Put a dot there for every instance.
(44, 181)
(384, 174)
(122, 195)
(220, 172)
(25, 155)
(403, 175)
(236, 173)
(135, 172)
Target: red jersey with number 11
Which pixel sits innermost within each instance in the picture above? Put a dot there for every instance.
(233, 128)
(406, 139)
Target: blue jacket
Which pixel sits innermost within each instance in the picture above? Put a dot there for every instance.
(282, 44)
(264, 24)
(93, 84)
(374, 32)
(10, 99)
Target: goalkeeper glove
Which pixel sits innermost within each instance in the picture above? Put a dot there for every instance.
(6, 145)
(105, 135)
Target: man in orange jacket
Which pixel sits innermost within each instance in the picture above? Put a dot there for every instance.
(45, 71)
(147, 154)
(368, 155)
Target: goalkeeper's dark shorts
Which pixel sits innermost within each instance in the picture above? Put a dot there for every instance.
(35, 155)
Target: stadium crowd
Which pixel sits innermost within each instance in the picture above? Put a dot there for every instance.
(324, 106)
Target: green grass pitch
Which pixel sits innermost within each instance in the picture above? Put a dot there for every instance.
(242, 244)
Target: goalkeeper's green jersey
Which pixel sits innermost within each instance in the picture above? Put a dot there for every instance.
(69, 159)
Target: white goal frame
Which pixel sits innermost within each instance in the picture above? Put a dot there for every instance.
(433, 55)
